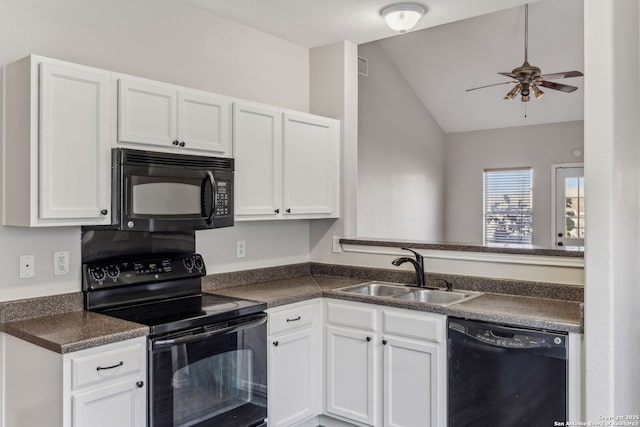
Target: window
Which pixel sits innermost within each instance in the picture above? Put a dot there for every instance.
(507, 206)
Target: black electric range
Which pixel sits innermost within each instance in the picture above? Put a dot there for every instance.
(207, 354)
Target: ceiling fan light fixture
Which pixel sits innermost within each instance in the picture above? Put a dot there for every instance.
(513, 92)
(537, 92)
(402, 17)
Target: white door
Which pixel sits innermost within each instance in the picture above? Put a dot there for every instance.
(121, 404)
(351, 374)
(569, 207)
(73, 131)
(257, 140)
(203, 122)
(310, 146)
(412, 384)
(292, 368)
(147, 114)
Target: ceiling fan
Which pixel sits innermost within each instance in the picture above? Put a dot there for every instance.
(528, 78)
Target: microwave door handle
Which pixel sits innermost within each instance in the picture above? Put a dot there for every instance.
(201, 336)
(214, 191)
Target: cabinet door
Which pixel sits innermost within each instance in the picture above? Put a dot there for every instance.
(413, 383)
(311, 165)
(257, 153)
(74, 179)
(203, 122)
(292, 377)
(146, 113)
(121, 404)
(352, 383)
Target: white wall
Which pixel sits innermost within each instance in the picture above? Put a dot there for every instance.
(612, 179)
(468, 154)
(400, 156)
(167, 41)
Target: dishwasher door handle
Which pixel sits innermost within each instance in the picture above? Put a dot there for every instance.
(204, 335)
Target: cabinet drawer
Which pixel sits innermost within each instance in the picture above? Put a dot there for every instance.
(354, 315)
(95, 368)
(423, 326)
(291, 319)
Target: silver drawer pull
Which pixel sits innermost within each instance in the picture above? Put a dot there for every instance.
(102, 368)
(294, 319)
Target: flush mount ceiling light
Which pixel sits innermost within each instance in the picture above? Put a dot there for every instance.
(402, 17)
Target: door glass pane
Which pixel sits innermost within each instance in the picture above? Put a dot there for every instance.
(574, 223)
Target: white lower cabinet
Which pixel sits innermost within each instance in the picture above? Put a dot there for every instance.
(385, 366)
(295, 364)
(99, 387)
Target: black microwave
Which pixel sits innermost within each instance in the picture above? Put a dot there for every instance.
(171, 192)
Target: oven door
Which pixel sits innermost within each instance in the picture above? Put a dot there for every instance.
(210, 376)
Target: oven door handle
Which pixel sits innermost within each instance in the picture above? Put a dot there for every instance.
(209, 334)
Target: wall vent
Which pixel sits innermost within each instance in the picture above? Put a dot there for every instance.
(363, 66)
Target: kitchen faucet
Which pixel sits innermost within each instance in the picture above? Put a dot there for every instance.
(417, 263)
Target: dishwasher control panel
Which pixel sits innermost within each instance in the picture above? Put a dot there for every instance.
(502, 336)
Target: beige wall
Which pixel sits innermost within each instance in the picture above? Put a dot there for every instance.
(400, 156)
(168, 41)
(468, 154)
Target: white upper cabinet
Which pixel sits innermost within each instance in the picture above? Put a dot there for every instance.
(311, 164)
(147, 114)
(287, 164)
(57, 151)
(170, 118)
(258, 161)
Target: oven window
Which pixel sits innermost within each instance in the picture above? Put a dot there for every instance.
(219, 380)
(210, 386)
(157, 197)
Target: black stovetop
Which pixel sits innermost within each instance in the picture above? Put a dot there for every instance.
(186, 312)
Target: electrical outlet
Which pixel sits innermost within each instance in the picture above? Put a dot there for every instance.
(27, 266)
(240, 249)
(61, 263)
(337, 247)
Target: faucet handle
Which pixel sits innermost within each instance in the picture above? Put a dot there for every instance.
(418, 256)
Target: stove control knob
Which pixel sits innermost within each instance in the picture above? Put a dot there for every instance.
(188, 262)
(97, 274)
(113, 271)
(198, 262)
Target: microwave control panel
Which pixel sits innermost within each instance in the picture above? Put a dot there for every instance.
(223, 199)
(130, 271)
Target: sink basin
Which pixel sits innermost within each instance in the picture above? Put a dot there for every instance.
(443, 298)
(376, 289)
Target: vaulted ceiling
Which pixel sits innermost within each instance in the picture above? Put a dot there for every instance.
(458, 44)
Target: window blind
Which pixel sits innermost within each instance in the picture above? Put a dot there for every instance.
(507, 206)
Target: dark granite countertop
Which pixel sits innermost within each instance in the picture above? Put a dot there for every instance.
(73, 331)
(543, 313)
(77, 330)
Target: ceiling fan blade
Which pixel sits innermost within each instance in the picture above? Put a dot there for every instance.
(508, 75)
(495, 84)
(562, 75)
(557, 86)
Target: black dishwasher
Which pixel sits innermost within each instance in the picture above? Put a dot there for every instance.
(505, 376)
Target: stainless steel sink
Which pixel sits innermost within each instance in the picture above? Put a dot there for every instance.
(442, 298)
(376, 289)
(406, 293)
